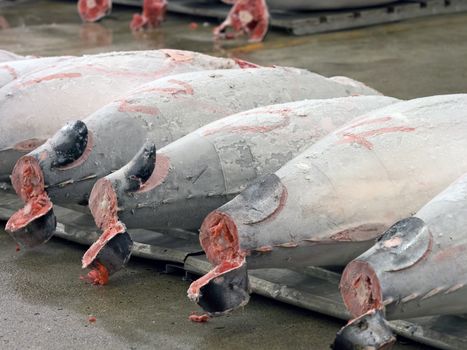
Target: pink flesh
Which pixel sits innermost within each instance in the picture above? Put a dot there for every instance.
(219, 238)
(28, 181)
(99, 275)
(103, 206)
(219, 270)
(360, 288)
(199, 318)
(92, 11)
(152, 16)
(246, 16)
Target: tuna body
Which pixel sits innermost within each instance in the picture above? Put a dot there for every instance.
(12, 70)
(35, 106)
(329, 204)
(418, 266)
(167, 109)
(201, 171)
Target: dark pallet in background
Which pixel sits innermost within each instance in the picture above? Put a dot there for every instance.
(301, 23)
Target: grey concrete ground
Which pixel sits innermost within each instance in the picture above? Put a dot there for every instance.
(43, 304)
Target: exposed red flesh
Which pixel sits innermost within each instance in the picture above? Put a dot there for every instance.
(92, 319)
(98, 275)
(94, 10)
(360, 288)
(28, 181)
(219, 238)
(103, 206)
(246, 16)
(97, 246)
(199, 318)
(219, 270)
(152, 16)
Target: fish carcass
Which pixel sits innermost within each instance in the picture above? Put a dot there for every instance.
(229, 153)
(94, 10)
(417, 268)
(35, 106)
(327, 206)
(162, 111)
(250, 17)
(152, 16)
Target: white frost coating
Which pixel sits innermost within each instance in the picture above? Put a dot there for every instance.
(217, 161)
(437, 274)
(365, 176)
(75, 88)
(169, 108)
(12, 70)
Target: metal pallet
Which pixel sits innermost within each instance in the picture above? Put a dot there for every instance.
(312, 288)
(310, 22)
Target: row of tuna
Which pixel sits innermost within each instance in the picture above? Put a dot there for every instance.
(250, 17)
(277, 167)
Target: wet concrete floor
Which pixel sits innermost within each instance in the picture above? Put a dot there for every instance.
(43, 304)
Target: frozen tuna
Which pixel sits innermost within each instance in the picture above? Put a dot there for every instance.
(417, 267)
(250, 17)
(76, 88)
(94, 10)
(327, 206)
(12, 70)
(152, 16)
(206, 168)
(162, 111)
(7, 56)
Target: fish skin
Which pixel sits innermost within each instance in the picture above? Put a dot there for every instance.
(77, 87)
(433, 245)
(232, 152)
(153, 112)
(361, 179)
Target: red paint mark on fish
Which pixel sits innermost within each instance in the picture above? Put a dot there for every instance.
(245, 64)
(126, 106)
(199, 318)
(179, 56)
(51, 77)
(368, 121)
(28, 145)
(450, 252)
(184, 88)
(361, 138)
(10, 70)
(159, 174)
